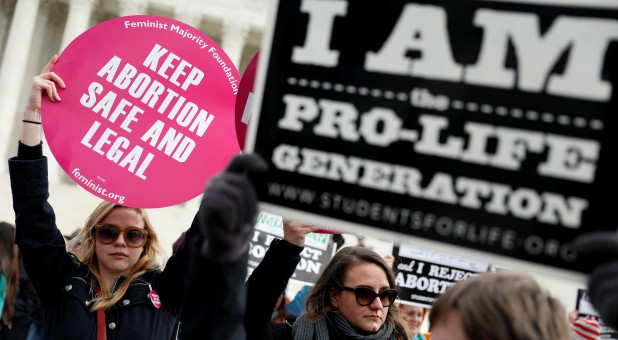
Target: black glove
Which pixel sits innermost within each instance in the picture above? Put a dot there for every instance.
(601, 248)
(228, 209)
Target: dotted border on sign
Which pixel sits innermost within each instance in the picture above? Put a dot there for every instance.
(351, 89)
(531, 115)
(499, 110)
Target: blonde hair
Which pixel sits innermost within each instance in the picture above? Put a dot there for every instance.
(503, 306)
(83, 246)
(333, 277)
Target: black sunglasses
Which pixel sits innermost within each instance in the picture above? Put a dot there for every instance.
(107, 233)
(365, 296)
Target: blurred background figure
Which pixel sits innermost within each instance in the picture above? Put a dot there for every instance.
(390, 260)
(70, 237)
(297, 305)
(414, 316)
(22, 316)
(339, 241)
(361, 240)
(584, 328)
(501, 305)
(281, 311)
(601, 249)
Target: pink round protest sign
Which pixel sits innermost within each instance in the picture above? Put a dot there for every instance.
(244, 100)
(147, 116)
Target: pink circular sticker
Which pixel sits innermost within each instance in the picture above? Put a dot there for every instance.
(244, 100)
(147, 116)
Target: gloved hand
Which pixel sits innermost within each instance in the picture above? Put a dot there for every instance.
(228, 209)
(599, 247)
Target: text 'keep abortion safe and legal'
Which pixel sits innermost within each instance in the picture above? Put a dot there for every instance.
(168, 134)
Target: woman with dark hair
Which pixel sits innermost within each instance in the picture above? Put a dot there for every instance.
(353, 298)
(9, 276)
(21, 308)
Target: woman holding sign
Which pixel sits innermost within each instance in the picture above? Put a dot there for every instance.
(110, 288)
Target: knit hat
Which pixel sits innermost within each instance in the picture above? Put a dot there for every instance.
(586, 329)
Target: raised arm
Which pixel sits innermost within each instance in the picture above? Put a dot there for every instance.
(44, 84)
(39, 240)
(271, 276)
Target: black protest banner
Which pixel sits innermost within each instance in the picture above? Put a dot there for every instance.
(317, 252)
(422, 274)
(482, 124)
(586, 309)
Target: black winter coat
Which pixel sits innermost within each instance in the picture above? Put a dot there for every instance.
(63, 284)
(264, 287)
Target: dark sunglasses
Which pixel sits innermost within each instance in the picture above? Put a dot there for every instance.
(108, 233)
(365, 296)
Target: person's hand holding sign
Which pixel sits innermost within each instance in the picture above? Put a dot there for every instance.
(47, 84)
(294, 232)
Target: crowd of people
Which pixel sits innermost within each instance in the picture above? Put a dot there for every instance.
(107, 282)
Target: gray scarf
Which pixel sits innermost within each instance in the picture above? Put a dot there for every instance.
(304, 329)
